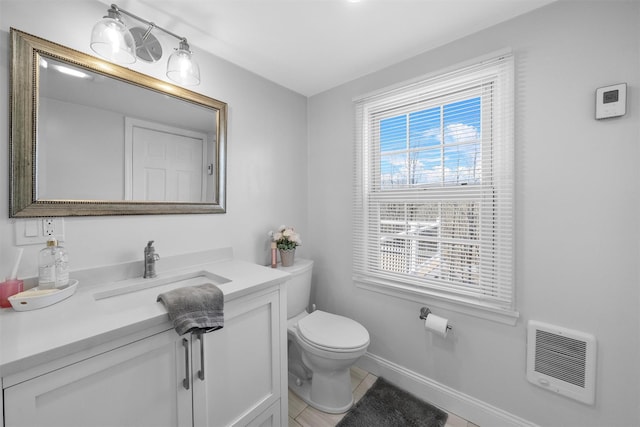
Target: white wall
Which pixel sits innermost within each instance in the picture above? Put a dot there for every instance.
(266, 179)
(97, 135)
(577, 217)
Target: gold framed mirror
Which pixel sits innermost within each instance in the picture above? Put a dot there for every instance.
(88, 137)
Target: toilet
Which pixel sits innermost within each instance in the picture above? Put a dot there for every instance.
(322, 346)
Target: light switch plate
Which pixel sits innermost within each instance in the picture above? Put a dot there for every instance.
(611, 101)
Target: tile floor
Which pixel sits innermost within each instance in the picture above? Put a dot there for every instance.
(303, 415)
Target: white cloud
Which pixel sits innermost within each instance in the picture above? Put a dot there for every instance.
(466, 156)
(459, 132)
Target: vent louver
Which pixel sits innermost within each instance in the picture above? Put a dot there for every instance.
(561, 360)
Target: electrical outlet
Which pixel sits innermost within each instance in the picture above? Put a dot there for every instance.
(38, 230)
(48, 227)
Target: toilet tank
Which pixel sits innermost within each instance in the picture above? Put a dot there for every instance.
(298, 286)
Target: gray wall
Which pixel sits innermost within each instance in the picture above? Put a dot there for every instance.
(266, 154)
(577, 218)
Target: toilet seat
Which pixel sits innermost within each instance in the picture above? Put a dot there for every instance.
(331, 332)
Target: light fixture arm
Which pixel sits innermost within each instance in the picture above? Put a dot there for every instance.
(115, 9)
(146, 33)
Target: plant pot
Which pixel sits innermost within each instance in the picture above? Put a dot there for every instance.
(287, 257)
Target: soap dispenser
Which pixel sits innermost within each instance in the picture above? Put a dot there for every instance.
(53, 266)
(150, 258)
(47, 265)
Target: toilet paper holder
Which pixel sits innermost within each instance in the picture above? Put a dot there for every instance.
(424, 312)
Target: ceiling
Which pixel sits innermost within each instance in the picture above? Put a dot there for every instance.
(310, 46)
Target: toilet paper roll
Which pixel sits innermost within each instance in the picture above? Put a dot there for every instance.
(436, 324)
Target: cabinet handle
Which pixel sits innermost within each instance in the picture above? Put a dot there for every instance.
(185, 381)
(201, 371)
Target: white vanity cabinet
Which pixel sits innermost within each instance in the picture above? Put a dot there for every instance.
(132, 385)
(234, 376)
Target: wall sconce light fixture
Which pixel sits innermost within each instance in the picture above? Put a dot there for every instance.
(112, 40)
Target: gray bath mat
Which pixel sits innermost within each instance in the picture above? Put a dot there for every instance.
(385, 405)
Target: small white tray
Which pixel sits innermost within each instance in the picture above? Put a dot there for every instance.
(35, 298)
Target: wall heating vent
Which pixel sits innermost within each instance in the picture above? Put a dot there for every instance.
(562, 361)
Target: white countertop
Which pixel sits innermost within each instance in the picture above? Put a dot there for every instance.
(30, 338)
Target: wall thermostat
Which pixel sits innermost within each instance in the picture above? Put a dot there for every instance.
(611, 101)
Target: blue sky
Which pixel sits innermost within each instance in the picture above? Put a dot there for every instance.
(434, 146)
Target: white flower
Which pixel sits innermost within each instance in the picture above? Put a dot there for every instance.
(286, 237)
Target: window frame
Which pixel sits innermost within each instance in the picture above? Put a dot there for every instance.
(439, 90)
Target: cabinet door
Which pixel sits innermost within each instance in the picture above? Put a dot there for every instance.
(241, 364)
(139, 384)
(269, 418)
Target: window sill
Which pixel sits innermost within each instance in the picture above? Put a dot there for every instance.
(440, 300)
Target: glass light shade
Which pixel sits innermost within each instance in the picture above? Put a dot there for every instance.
(182, 69)
(112, 40)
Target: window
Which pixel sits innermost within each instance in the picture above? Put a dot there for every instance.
(433, 186)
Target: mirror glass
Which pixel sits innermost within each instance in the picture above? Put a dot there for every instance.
(92, 138)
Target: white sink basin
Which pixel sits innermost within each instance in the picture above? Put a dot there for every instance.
(192, 278)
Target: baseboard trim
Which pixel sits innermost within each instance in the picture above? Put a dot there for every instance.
(446, 398)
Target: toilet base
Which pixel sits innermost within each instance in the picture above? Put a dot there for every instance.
(342, 399)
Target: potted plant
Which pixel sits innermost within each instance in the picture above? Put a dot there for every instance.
(286, 240)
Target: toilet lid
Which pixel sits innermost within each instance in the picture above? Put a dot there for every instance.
(332, 331)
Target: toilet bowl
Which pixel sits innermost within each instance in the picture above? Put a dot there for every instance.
(327, 345)
(322, 347)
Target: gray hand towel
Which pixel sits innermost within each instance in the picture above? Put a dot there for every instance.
(195, 308)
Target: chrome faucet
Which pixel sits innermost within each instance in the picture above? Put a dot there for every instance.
(150, 258)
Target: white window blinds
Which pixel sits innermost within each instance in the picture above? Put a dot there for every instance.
(433, 186)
